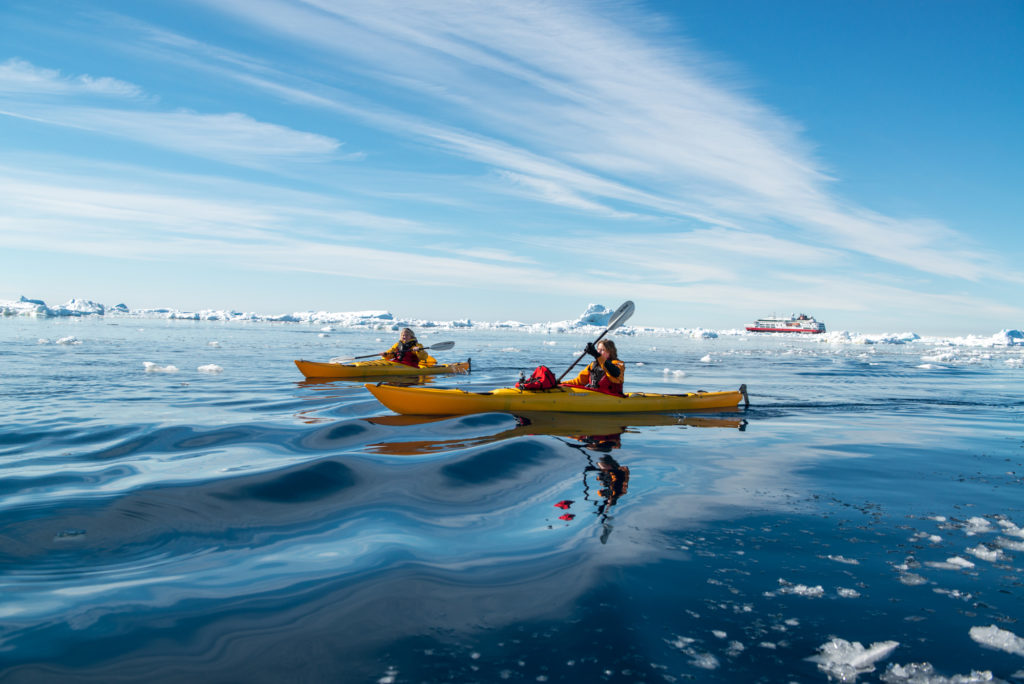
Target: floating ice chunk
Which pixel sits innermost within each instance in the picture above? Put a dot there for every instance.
(847, 593)
(327, 328)
(845, 661)
(976, 525)
(945, 357)
(1015, 363)
(322, 335)
(210, 368)
(70, 339)
(912, 579)
(798, 590)
(924, 673)
(931, 366)
(984, 553)
(43, 340)
(954, 563)
(705, 661)
(843, 559)
(706, 358)
(510, 350)
(1010, 544)
(999, 639)
(640, 363)
(719, 633)
(213, 343)
(154, 368)
(1011, 529)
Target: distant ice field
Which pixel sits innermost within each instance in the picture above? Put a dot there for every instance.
(177, 502)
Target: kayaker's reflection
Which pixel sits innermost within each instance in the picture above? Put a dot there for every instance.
(604, 481)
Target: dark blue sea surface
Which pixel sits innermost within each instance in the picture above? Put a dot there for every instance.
(862, 520)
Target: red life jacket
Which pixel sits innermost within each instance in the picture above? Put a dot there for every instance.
(598, 380)
(405, 353)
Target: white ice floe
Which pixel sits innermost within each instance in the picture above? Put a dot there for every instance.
(998, 639)
(42, 340)
(676, 373)
(798, 590)
(1011, 529)
(706, 358)
(953, 563)
(912, 579)
(213, 343)
(70, 339)
(210, 368)
(843, 559)
(323, 335)
(931, 366)
(977, 525)
(924, 673)
(155, 368)
(847, 593)
(984, 553)
(844, 661)
(1010, 544)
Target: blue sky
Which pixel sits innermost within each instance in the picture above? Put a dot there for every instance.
(712, 160)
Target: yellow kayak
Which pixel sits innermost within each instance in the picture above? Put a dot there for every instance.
(375, 368)
(427, 401)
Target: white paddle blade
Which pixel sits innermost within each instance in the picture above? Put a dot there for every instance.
(621, 315)
(342, 359)
(440, 346)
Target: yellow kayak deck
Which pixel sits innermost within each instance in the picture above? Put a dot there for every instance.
(426, 401)
(375, 368)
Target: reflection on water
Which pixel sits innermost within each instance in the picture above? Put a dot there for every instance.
(595, 427)
(245, 527)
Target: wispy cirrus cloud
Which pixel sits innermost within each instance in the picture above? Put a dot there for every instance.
(594, 112)
(18, 77)
(230, 137)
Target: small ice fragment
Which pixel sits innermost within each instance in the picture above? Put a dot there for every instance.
(706, 358)
(155, 368)
(210, 368)
(70, 339)
(213, 343)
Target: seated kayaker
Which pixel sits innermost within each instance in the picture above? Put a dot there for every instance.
(605, 373)
(407, 350)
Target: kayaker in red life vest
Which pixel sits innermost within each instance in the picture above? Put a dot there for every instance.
(407, 350)
(605, 373)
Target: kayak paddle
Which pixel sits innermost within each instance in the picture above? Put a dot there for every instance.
(440, 346)
(620, 316)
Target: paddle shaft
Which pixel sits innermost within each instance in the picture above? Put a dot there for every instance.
(440, 346)
(578, 358)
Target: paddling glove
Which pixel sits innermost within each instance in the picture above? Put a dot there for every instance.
(592, 350)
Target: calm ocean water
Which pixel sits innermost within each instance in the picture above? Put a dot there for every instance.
(246, 526)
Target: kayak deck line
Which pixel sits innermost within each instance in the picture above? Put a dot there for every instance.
(361, 370)
(430, 401)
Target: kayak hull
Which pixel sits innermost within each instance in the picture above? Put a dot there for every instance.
(426, 401)
(375, 368)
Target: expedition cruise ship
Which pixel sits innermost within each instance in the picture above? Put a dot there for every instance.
(801, 323)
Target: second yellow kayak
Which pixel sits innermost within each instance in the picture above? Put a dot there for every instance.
(375, 368)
